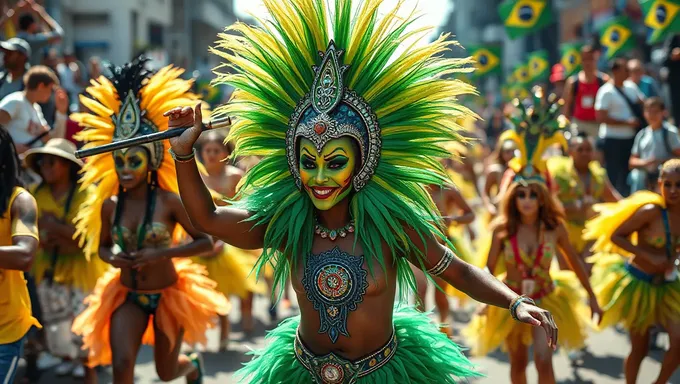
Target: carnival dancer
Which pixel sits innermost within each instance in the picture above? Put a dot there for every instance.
(228, 266)
(581, 183)
(500, 157)
(635, 272)
(155, 295)
(447, 200)
(339, 200)
(18, 245)
(527, 235)
(63, 274)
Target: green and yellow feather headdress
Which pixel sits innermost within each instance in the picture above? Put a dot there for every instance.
(312, 70)
(129, 103)
(535, 128)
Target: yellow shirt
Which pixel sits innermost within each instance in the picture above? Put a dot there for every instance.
(15, 304)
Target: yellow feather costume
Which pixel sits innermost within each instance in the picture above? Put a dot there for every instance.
(626, 298)
(191, 303)
(559, 292)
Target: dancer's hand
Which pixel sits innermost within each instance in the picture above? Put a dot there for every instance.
(533, 315)
(146, 256)
(121, 260)
(595, 310)
(185, 117)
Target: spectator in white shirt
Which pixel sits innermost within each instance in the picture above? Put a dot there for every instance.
(20, 113)
(618, 108)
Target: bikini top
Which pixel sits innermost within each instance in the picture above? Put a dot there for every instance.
(531, 266)
(156, 235)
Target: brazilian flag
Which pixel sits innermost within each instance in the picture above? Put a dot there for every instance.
(487, 59)
(617, 37)
(521, 75)
(208, 93)
(522, 17)
(539, 66)
(661, 16)
(570, 57)
(517, 92)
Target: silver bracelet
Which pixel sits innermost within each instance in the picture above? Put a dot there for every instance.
(183, 158)
(443, 263)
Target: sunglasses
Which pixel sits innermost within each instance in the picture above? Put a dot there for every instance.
(522, 195)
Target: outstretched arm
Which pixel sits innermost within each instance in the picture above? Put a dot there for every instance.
(576, 264)
(478, 284)
(228, 224)
(24, 217)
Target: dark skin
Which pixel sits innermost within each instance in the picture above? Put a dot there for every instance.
(447, 200)
(648, 223)
(223, 178)
(371, 324)
(20, 255)
(155, 271)
(528, 203)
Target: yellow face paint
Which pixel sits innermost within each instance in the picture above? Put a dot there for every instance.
(131, 165)
(327, 176)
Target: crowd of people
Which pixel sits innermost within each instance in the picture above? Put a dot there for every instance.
(354, 179)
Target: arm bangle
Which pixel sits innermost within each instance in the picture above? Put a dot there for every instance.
(443, 263)
(183, 158)
(516, 302)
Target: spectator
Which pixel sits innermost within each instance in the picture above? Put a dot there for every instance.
(95, 67)
(580, 92)
(645, 82)
(15, 59)
(496, 125)
(29, 31)
(10, 18)
(20, 114)
(71, 77)
(672, 64)
(619, 110)
(18, 245)
(653, 146)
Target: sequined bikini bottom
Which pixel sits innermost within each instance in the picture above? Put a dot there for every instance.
(148, 302)
(333, 369)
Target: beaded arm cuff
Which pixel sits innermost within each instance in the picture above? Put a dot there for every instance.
(183, 158)
(443, 263)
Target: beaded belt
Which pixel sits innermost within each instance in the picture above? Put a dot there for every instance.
(332, 369)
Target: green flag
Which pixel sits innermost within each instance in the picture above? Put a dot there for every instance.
(661, 16)
(517, 92)
(539, 66)
(617, 37)
(522, 17)
(570, 58)
(487, 59)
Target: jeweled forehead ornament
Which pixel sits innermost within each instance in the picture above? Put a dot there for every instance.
(331, 111)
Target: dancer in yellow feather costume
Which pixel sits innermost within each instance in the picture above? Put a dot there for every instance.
(155, 295)
(527, 234)
(635, 275)
(581, 182)
(229, 266)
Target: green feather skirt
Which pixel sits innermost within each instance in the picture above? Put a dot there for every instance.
(423, 355)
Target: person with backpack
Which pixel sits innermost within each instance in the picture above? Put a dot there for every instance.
(618, 107)
(580, 92)
(653, 145)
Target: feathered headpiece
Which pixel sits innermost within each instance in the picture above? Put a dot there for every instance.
(535, 128)
(130, 103)
(323, 73)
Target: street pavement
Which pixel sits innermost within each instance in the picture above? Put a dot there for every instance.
(602, 365)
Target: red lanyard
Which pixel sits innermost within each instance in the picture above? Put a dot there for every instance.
(518, 259)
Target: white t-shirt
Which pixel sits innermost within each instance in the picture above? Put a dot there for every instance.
(610, 99)
(27, 119)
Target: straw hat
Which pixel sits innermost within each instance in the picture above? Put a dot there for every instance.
(56, 147)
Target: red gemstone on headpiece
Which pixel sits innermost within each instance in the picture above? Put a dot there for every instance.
(320, 128)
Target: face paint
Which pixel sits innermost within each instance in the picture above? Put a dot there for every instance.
(327, 176)
(132, 166)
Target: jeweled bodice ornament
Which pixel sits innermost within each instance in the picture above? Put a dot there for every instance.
(336, 283)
